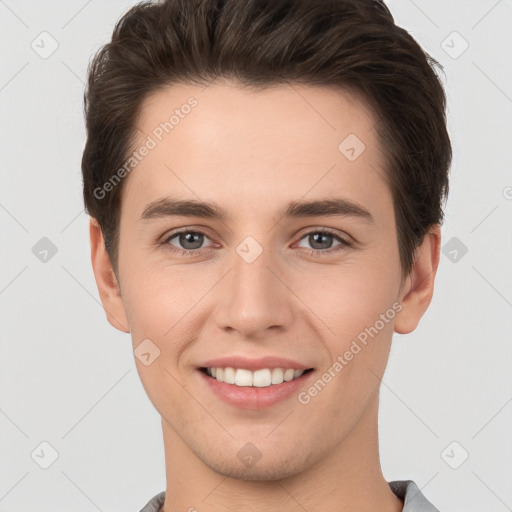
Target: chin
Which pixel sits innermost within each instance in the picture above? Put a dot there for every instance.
(256, 474)
(261, 471)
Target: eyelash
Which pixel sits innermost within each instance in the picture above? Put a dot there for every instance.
(344, 244)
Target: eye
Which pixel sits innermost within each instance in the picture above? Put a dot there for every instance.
(321, 241)
(191, 241)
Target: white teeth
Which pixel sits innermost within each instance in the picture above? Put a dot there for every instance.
(289, 374)
(277, 376)
(243, 378)
(229, 375)
(259, 378)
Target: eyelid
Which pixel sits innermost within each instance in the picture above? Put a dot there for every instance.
(344, 237)
(186, 229)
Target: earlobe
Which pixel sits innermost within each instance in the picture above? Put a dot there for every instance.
(106, 280)
(418, 289)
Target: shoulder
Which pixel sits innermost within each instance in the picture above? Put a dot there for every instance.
(411, 495)
(155, 503)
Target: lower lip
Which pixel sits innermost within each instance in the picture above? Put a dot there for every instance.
(255, 397)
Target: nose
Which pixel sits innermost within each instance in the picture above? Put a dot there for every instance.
(255, 298)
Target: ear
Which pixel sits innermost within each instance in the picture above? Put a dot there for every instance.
(106, 280)
(418, 288)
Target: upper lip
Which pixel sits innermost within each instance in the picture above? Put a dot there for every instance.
(254, 364)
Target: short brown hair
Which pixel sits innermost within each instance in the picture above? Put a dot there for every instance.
(353, 44)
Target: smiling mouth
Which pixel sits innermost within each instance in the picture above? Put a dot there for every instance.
(262, 378)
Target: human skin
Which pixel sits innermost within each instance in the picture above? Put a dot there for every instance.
(251, 153)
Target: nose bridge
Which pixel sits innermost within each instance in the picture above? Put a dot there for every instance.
(255, 299)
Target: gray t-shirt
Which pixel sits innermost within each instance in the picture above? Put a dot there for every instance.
(406, 490)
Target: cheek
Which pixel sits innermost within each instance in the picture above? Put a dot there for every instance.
(158, 303)
(162, 307)
(167, 304)
(351, 296)
(357, 306)
(357, 302)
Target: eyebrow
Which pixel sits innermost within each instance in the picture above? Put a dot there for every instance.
(169, 207)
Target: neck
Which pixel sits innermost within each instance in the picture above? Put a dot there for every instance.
(349, 478)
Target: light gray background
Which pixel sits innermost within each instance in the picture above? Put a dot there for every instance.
(68, 378)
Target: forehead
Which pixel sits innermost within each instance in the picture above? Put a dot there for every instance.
(242, 146)
(257, 114)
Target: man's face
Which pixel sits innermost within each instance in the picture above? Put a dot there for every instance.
(256, 283)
